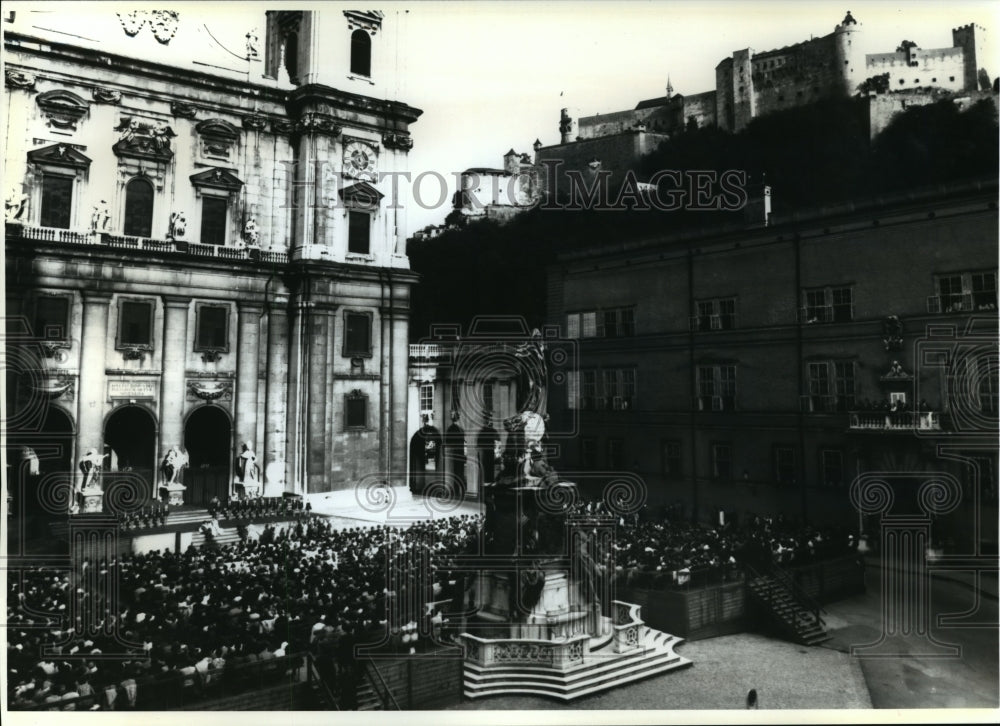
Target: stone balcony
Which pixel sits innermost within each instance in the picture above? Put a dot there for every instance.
(169, 247)
(895, 421)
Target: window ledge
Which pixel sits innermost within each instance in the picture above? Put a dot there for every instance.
(358, 77)
(358, 257)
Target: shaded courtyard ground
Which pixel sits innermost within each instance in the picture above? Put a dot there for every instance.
(790, 676)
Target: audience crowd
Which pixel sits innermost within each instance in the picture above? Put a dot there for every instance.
(196, 613)
(309, 587)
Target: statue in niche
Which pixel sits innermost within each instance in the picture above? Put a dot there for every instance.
(15, 206)
(251, 233)
(101, 217)
(178, 225)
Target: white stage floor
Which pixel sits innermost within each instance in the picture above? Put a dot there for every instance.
(394, 506)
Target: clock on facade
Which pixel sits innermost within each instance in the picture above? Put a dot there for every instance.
(360, 160)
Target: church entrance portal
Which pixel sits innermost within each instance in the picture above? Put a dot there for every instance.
(208, 439)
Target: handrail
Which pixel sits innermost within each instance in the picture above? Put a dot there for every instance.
(312, 673)
(801, 595)
(369, 668)
(798, 594)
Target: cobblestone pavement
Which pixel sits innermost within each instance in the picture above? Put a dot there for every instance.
(786, 676)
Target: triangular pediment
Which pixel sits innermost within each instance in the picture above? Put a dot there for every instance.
(217, 179)
(60, 155)
(362, 194)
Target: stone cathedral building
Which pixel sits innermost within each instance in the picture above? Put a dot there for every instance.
(202, 246)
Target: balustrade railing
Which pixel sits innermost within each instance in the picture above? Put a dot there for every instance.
(16, 230)
(895, 420)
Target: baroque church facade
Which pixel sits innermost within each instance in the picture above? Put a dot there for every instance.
(203, 252)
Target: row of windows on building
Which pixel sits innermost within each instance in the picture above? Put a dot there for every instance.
(956, 292)
(212, 334)
(831, 387)
(720, 464)
(57, 211)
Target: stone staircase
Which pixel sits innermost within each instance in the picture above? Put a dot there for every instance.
(787, 612)
(602, 669)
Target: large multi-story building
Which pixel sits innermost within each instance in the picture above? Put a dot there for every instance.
(201, 249)
(766, 369)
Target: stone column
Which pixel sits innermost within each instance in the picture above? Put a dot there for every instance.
(93, 393)
(247, 369)
(276, 412)
(172, 384)
(399, 371)
(298, 380)
(318, 437)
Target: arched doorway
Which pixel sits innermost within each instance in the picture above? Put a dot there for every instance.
(130, 443)
(42, 468)
(208, 440)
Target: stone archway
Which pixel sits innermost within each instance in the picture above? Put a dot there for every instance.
(208, 440)
(130, 443)
(41, 466)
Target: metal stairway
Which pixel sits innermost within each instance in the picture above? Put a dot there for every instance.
(793, 613)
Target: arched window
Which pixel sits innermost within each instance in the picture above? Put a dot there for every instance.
(292, 57)
(139, 208)
(361, 53)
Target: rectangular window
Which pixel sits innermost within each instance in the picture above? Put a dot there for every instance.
(589, 325)
(135, 323)
(816, 310)
(212, 328)
(984, 290)
(672, 460)
(950, 293)
(784, 464)
(616, 454)
(609, 324)
(843, 304)
(52, 318)
(727, 387)
(612, 389)
(718, 314)
(843, 372)
(57, 201)
(573, 325)
(706, 311)
(706, 387)
(628, 388)
(356, 411)
(214, 220)
(819, 386)
(588, 453)
(357, 334)
(832, 466)
(359, 233)
(722, 461)
(589, 398)
(727, 314)
(427, 398)
(626, 320)
(572, 390)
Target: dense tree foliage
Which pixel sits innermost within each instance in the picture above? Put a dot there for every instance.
(811, 156)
